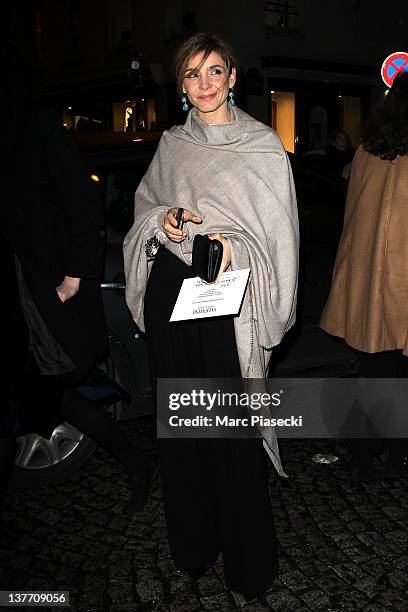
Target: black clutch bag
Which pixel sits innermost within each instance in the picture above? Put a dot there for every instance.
(207, 257)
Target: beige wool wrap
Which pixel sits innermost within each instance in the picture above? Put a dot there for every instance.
(237, 177)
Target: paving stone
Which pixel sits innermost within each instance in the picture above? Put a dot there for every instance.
(359, 554)
(210, 584)
(37, 584)
(377, 567)
(353, 601)
(295, 580)
(44, 532)
(33, 507)
(399, 580)
(348, 515)
(57, 501)
(283, 601)
(288, 539)
(97, 518)
(16, 523)
(54, 554)
(344, 540)
(72, 558)
(315, 599)
(26, 545)
(257, 606)
(349, 572)
(92, 599)
(401, 562)
(386, 552)
(148, 586)
(166, 566)
(395, 513)
(122, 591)
(219, 603)
(391, 600)
(330, 582)
(184, 602)
(369, 585)
(92, 532)
(14, 498)
(13, 580)
(356, 526)
(20, 563)
(42, 567)
(330, 556)
(121, 557)
(313, 568)
(321, 513)
(71, 525)
(398, 537)
(332, 526)
(118, 524)
(51, 517)
(183, 592)
(69, 541)
(96, 579)
(239, 600)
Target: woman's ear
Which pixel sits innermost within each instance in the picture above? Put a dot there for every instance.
(233, 77)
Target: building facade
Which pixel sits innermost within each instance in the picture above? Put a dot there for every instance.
(306, 66)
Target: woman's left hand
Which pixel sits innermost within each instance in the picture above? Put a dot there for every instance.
(68, 288)
(226, 257)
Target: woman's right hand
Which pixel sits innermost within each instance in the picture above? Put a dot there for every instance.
(170, 224)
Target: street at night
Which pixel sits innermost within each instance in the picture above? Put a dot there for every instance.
(204, 251)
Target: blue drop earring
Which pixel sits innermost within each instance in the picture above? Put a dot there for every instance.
(231, 101)
(185, 105)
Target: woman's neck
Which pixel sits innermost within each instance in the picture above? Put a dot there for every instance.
(218, 116)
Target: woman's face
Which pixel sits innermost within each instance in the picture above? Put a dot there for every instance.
(207, 88)
(341, 142)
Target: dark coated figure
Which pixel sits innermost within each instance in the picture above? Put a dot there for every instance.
(53, 240)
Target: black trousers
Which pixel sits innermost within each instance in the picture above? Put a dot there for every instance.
(215, 490)
(387, 364)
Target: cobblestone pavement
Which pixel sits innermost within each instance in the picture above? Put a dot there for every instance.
(343, 547)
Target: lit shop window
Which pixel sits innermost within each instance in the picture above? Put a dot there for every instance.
(283, 117)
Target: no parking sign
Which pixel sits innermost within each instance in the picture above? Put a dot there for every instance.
(394, 64)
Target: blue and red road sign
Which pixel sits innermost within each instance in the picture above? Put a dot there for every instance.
(394, 64)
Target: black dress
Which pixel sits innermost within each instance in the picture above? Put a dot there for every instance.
(215, 490)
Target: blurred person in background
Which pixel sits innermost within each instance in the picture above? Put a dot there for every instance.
(53, 238)
(339, 153)
(367, 304)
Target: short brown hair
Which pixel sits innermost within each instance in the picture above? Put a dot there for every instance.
(201, 42)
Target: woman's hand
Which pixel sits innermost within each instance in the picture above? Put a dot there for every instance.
(226, 256)
(170, 223)
(68, 288)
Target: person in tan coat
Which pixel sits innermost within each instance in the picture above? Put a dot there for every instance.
(368, 300)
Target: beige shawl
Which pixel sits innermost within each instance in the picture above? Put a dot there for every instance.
(237, 177)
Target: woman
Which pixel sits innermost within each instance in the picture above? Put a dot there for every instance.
(339, 153)
(367, 304)
(231, 175)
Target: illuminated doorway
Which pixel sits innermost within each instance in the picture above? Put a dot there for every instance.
(283, 117)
